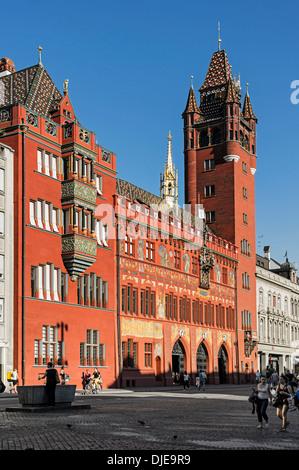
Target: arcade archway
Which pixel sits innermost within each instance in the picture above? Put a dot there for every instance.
(178, 362)
(222, 364)
(201, 358)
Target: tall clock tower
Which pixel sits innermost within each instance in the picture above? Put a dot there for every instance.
(220, 165)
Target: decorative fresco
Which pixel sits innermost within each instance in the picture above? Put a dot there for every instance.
(141, 328)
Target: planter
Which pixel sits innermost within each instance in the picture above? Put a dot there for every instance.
(35, 395)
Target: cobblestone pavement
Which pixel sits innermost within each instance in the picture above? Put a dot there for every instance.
(219, 418)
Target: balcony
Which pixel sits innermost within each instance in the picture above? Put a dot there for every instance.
(78, 253)
(78, 192)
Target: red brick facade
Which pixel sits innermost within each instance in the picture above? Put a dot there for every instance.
(106, 275)
(220, 163)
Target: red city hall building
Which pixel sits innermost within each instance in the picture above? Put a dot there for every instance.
(109, 275)
(220, 164)
(64, 269)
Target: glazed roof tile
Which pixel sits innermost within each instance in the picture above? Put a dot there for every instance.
(191, 106)
(33, 88)
(219, 71)
(247, 109)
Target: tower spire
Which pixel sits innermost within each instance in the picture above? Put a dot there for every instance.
(219, 40)
(169, 152)
(168, 181)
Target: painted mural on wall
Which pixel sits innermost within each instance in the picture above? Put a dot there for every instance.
(141, 328)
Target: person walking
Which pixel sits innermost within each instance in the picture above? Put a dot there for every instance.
(274, 379)
(15, 379)
(52, 378)
(284, 392)
(86, 378)
(257, 377)
(186, 380)
(203, 378)
(97, 378)
(263, 398)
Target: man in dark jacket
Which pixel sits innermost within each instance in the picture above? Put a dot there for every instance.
(52, 377)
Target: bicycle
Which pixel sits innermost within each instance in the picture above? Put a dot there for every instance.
(93, 386)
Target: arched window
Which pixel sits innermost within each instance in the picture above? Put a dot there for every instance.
(216, 136)
(204, 139)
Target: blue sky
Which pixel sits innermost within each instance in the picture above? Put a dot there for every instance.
(129, 64)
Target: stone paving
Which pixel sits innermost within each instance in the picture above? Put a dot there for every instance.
(164, 420)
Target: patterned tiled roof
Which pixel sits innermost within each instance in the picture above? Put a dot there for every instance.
(247, 109)
(191, 106)
(219, 71)
(231, 94)
(134, 193)
(33, 88)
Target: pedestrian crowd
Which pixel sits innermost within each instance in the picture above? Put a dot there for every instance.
(282, 392)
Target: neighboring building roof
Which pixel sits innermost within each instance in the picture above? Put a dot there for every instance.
(285, 269)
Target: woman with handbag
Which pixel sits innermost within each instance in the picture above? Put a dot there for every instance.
(263, 398)
(284, 392)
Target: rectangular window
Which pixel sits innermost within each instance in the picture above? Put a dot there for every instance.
(148, 355)
(210, 217)
(47, 208)
(48, 348)
(245, 219)
(1, 266)
(129, 244)
(39, 214)
(209, 191)
(33, 281)
(92, 352)
(55, 218)
(142, 302)
(2, 186)
(63, 286)
(55, 284)
(101, 232)
(150, 251)
(245, 281)
(32, 212)
(47, 281)
(245, 193)
(135, 292)
(54, 166)
(209, 164)
(39, 161)
(1, 310)
(194, 265)
(2, 223)
(177, 259)
(99, 184)
(47, 164)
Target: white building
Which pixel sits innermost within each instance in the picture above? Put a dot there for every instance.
(277, 291)
(6, 261)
